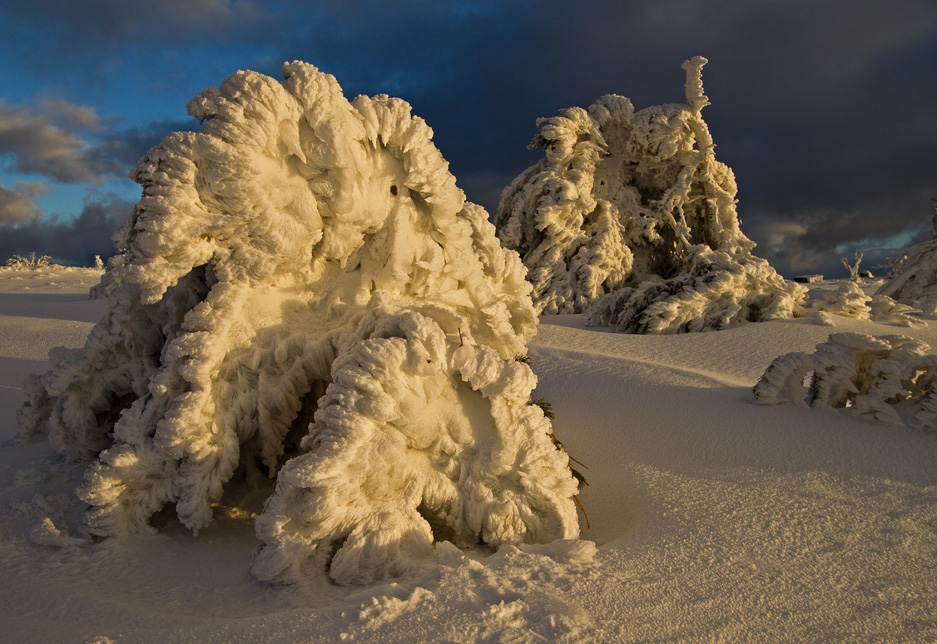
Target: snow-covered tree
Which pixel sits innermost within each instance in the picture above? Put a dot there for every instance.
(912, 277)
(854, 267)
(303, 291)
(631, 211)
(887, 378)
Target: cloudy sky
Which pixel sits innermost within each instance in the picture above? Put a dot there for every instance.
(825, 109)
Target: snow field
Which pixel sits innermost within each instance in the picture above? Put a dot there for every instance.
(715, 519)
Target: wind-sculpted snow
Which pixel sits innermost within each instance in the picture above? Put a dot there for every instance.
(632, 208)
(913, 278)
(849, 299)
(303, 289)
(433, 430)
(887, 378)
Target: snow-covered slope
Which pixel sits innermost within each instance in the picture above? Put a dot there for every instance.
(715, 519)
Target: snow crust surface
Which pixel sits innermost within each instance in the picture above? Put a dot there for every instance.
(304, 293)
(713, 519)
(630, 218)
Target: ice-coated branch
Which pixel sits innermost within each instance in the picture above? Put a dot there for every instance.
(854, 267)
(632, 211)
(887, 378)
(303, 290)
(693, 87)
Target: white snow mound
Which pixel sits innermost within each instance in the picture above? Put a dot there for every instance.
(631, 210)
(303, 289)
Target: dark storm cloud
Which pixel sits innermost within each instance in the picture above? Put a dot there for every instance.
(73, 242)
(68, 143)
(815, 241)
(17, 205)
(38, 142)
(127, 145)
(824, 110)
(31, 142)
(815, 105)
(107, 25)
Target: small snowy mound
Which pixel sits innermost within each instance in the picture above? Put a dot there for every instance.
(887, 311)
(631, 209)
(846, 300)
(888, 378)
(912, 279)
(303, 289)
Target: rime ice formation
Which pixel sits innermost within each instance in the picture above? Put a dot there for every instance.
(912, 279)
(302, 258)
(847, 300)
(631, 210)
(887, 378)
(886, 310)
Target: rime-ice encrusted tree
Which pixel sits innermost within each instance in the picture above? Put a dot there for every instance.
(912, 278)
(854, 267)
(303, 290)
(888, 378)
(629, 217)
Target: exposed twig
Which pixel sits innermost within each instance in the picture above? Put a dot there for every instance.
(583, 510)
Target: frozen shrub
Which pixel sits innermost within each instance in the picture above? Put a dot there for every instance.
(302, 290)
(632, 211)
(847, 299)
(716, 292)
(888, 378)
(18, 262)
(886, 310)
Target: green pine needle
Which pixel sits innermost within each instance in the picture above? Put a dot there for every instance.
(546, 407)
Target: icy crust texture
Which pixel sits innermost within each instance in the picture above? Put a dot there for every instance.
(913, 278)
(632, 211)
(887, 378)
(302, 258)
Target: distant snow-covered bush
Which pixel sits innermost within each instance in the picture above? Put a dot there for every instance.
(847, 298)
(302, 291)
(632, 211)
(19, 262)
(888, 378)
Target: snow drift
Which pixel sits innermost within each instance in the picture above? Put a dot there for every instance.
(631, 218)
(303, 290)
(888, 378)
